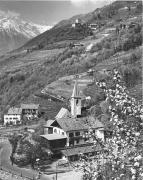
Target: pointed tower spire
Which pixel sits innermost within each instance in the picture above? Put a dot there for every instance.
(75, 92)
(76, 101)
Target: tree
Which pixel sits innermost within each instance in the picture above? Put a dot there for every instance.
(121, 156)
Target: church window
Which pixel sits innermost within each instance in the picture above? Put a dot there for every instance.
(76, 101)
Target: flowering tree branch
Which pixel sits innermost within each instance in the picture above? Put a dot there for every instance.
(121, 156)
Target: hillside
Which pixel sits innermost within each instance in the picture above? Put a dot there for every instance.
(24, 75)
(109, 13)
(107, 16)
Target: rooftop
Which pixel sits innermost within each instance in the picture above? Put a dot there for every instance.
(62, 113)
(53, 136)
(80, 149)
(14, 110)
(48, 123)
(73, 124)
(29, 106)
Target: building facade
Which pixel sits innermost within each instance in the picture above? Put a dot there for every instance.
(30, 110)
(13, 116)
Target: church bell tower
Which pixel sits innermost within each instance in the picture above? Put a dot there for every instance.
(75, 101)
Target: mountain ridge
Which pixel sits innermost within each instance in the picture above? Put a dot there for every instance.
(24, 74)
(14, 32)
(107, 15)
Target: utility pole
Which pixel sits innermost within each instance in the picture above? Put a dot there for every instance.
(56, 171)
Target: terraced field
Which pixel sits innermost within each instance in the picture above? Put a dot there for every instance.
(64, 86)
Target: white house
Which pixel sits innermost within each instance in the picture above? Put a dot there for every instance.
(13, 116)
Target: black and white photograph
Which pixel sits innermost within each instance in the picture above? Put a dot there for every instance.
(71, 90)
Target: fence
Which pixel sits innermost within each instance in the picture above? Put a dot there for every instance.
(10, 174)
(18, 176)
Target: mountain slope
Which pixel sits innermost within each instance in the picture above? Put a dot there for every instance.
(23, 75)
(106, 13)
(107, 16)
(14, 32)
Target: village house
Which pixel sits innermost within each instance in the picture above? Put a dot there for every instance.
(30, 110)
(93, 26)
(66, 134)
(77, 23)
(13, 116)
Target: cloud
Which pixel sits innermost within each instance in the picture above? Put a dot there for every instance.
(80, 3)
(9, 14)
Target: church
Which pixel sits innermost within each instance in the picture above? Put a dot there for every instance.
(66, 134)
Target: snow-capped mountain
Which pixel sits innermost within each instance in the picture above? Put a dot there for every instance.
(14, 32)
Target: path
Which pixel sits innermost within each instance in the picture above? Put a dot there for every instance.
(9, 169)
(7, 166)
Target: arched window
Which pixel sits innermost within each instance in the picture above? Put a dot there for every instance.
(63, 133)
(55, 130)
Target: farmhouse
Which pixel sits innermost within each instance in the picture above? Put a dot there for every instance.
(77, 23)
(30, 110)
(93, 26)
(13, 116)
(67, 133)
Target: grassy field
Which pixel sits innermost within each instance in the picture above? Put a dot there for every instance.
(15, 62)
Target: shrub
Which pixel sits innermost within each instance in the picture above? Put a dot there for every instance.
(121, 155)
(96, 47)
(131, 75)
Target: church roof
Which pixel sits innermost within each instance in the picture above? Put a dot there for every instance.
(62, 113)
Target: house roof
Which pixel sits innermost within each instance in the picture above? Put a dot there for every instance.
(93, 122)
(14, 110)
(48, 123)
(73, 124)
(70, 124)
(53, 136)
(62, 113)
(29, 106)
(80, 149)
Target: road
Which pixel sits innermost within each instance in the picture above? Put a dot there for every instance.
(6, 163)
(5, 152)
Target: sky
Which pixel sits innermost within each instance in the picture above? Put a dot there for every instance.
(49, 12)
